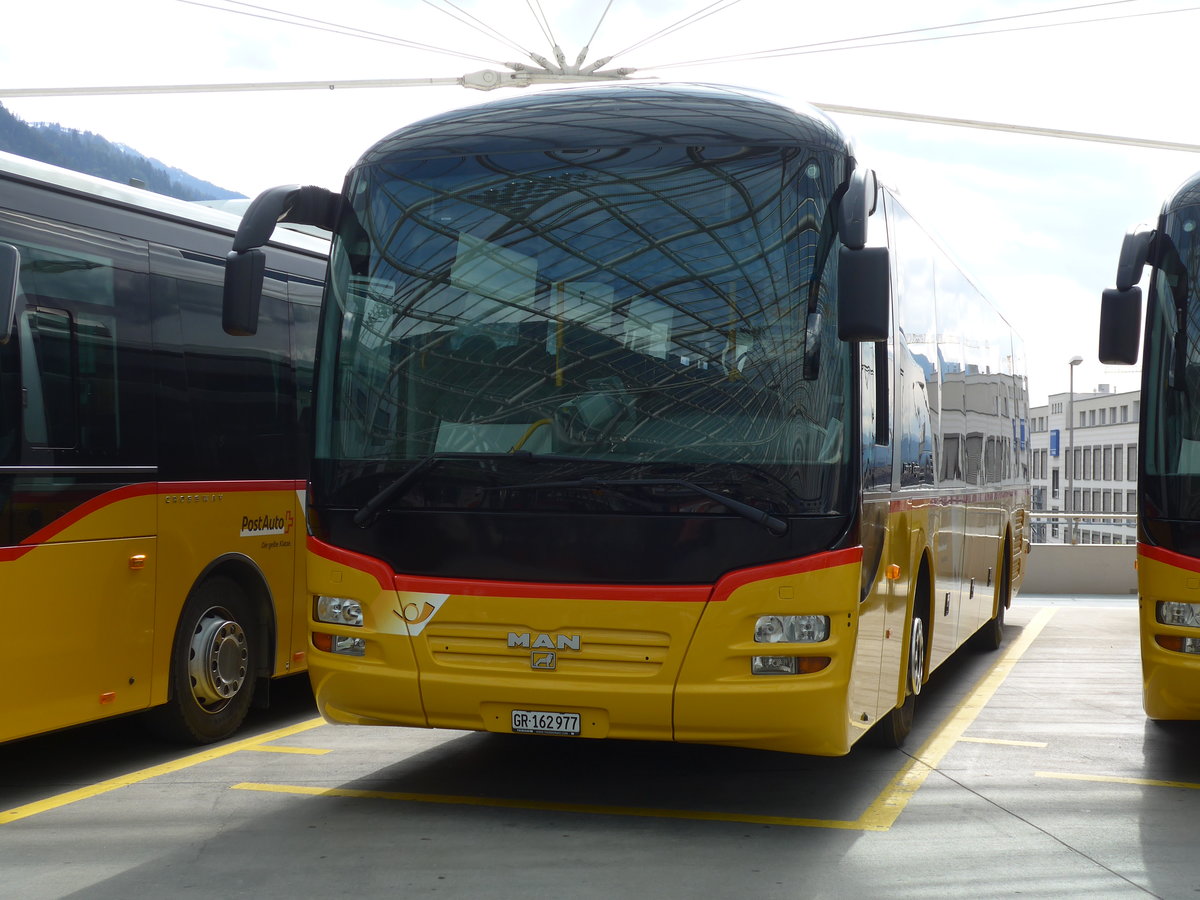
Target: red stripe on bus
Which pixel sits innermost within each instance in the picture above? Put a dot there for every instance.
(829, 560)
(78, 514)
(1169, 557)
(117, 495)
(369, 565)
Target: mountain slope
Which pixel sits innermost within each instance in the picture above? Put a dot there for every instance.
(83, 151)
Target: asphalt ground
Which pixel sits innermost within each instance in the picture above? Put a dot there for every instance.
(1031, 771)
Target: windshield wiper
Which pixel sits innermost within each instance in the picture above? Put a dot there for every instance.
(369, 510)
(758, 516)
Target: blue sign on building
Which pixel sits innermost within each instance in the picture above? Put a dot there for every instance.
(1054, 442)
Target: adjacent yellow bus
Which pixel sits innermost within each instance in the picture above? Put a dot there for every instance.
(151, 467)
(1169, 441)
(644, 412)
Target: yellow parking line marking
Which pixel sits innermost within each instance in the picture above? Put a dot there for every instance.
(882, 814)
(303, 751)
(544, 805)
(1117, 779)
(1003, 743)
(112, 784)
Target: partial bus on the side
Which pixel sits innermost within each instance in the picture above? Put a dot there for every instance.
(152, 468)
(1168, 440)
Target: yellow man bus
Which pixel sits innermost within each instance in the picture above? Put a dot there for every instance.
(151, 470)
(1169, 441)
(643, 412)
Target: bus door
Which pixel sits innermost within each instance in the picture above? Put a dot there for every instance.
(867, 701)
(76, 515)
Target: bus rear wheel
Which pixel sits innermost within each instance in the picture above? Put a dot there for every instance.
(991, 635)
(213, 666)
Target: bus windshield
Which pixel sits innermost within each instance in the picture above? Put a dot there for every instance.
(648, 311)
(1172, 459)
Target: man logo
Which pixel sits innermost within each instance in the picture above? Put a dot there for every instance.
(544, 641)
(543, 659)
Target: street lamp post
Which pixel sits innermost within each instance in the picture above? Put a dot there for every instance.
(1069, 505)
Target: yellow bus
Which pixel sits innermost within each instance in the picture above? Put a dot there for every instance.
(644, 412)
(151, 467)
(1169, 441)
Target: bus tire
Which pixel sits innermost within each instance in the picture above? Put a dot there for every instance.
(892, 730)
(213, 665)
(991, 636)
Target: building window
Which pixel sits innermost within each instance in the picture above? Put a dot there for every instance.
(1131, 462)
(1087, 464)
(1117, 502)
(1124, 413)
(1108, 463)
(1118, 466)
(1102, 416)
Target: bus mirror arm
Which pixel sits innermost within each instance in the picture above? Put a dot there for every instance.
(310, 205)
(10, 269)
(858, 203)
(1135, 251)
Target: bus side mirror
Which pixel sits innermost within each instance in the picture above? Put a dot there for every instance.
(243, 291)
(863, 272)
(245, 265)
(1120, 326)
(863, 293)
(10, 270)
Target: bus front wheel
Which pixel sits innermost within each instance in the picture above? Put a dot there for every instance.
(893, 728)
(213, 665)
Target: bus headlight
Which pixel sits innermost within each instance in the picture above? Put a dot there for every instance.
(791, 629)
(338, 611)
(1171, 612)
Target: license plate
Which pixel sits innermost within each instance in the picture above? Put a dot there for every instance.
(532, 721)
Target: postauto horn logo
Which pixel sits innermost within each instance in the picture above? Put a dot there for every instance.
(267, 524)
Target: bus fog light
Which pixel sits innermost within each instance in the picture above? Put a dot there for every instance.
(773, 665)
(338, 611)
(349, 646)
(791, 629)
(1177, 644)
(340, 644)
(1171, 612)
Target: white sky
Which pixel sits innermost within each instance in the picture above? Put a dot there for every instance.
(1037, 222)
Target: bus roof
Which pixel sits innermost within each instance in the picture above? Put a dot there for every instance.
(66, 181)
(614, 115)
(1188, 194)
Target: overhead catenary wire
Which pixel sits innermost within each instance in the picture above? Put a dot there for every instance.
(869, 41)
(286, 18)
(699, 15)
(482, 27)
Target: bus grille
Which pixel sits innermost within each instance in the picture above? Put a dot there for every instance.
(602, 651)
